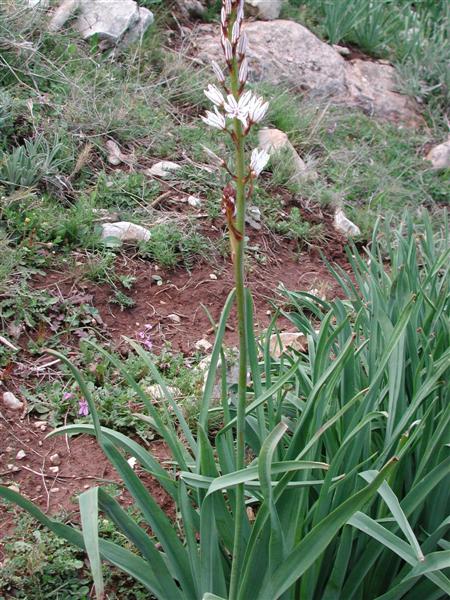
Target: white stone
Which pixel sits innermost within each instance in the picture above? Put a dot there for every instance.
(344, 225)
(132, 461)
(11, 401)
(276, 143)
(285, 53)
(194, 201)
(125, 231)
(439, 156)
(280, 343)
(174, 318)
(203, 345)
(42, 4)
(135, 34)
(253, 217)
(163, 169)
(112, 21)
(264, 9)
(213, 276)
(55, 459)
(21, 455)
(54, 470)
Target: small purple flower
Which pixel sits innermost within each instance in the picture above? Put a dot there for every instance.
(67, 395)
(144, 336)
(83, 408)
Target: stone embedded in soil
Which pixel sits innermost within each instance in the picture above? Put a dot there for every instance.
(163, 169)
(21, 455)
(194, 201)
(439, 156)
(54, 470)
(280, 343)
(125, 232)
(55, 459)
(174, 318)
(287, 54)
(121, 22)
(276, 143)
(344, 225)
(157, 393)
(203, 345)
(11, 401)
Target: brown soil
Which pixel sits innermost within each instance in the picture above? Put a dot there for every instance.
(182, 294)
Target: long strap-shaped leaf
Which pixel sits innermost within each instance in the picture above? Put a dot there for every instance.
(145, 459)
(125, 560)
(315, 542)
(89, 522)
(158, 521)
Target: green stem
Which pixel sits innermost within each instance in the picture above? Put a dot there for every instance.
(242, 318)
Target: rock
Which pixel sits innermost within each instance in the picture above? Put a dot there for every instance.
(213, 276)
(132, 461)
(192, 8)
(264, 9)
(194, 201)
(174, 318)
(439, 156)
(253, 217)
(115, 155)
(278, 344)
(40, 424)
(277, 144)
(203, 345)
(54, 470)
(343, 51)
(14, 488)
(344, 225)
(113, 22)
(41, 4)
(135, 34)
(11, 401)
(163, 169)
(63, 13)
(21, 455)
(286, 53)
(125, 231)
(55, 459)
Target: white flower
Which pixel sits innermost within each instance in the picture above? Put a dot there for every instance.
(258, 161)
(257, 109)
(243, 44)
(215, 119)
(228, 6)
(235, 32)
(215, 95)
(243, 71)
(237, 109)
(227, 49)
(218, 71)
(223, 17)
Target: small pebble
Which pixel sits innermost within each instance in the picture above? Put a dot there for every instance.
(54, 490)
(55, 459)
(21, 455)
(54, 469)
(213, 276)
(14, 488)
(174, 318)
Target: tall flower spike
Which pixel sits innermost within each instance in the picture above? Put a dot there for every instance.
(236, 110)
(215, 95)
(258, 161)
(214, 119)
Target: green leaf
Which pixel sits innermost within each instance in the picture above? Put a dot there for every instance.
(435, 561)
(89, 522)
